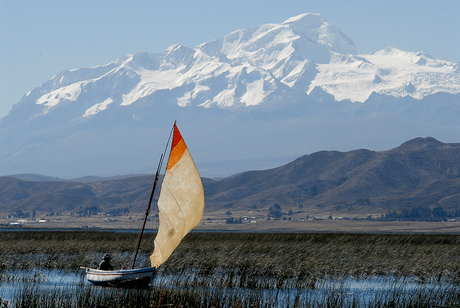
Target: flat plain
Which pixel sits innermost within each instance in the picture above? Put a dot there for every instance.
(212, 223)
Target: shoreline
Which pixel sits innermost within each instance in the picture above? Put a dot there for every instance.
(273, 226)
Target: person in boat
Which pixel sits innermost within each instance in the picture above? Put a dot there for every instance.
(105, 263)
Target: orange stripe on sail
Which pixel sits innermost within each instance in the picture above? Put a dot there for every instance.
(178, 148)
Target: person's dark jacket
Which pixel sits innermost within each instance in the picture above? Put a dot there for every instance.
(105, 265)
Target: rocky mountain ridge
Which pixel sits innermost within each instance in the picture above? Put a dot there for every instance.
(421, 173)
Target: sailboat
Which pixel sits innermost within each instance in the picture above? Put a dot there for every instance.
(180, 209)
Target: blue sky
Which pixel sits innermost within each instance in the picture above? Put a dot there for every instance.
(39, 39)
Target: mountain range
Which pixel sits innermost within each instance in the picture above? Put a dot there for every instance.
(421, 173)
(254, 99)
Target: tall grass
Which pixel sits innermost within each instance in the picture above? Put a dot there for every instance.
(285, 260)
(245, 269)
(292, 258)
(336, 296)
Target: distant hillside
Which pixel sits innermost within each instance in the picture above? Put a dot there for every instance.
(35, 177)
(422, 173)
(72, 196)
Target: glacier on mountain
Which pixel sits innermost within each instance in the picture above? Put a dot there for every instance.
(281, 90)
(98, 107)
(254, 66)
(390, 71)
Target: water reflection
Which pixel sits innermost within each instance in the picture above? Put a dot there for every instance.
(345, 291)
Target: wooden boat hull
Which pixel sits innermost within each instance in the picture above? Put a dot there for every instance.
(139, 277)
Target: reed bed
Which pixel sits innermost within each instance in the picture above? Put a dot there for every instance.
(80, 296)
(319, 256)
(244, 269)
(245, 257)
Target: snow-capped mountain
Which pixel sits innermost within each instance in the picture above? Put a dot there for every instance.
(292, 71)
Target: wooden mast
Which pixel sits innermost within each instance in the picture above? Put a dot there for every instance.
(147, 210)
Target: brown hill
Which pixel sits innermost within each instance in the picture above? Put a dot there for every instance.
(72, 196)
(420, 173)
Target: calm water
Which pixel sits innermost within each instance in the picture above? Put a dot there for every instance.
(349, 289)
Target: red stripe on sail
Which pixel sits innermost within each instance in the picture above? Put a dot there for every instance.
(176, 137)
(178, 148)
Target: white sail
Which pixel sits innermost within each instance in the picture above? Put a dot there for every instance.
(181, 201)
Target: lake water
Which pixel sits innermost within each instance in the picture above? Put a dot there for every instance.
(349, 290)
